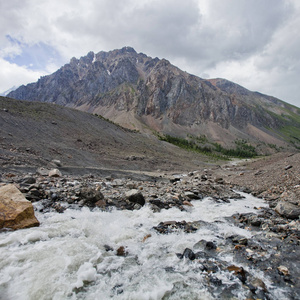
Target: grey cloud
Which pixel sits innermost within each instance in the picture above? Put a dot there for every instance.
(197, 35)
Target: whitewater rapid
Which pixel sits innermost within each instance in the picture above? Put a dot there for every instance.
(67, 258)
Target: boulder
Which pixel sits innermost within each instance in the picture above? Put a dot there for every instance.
(54, 173)
(135, 196)
(15, 211)
(91, 196)
(288, 210)
(42, 171)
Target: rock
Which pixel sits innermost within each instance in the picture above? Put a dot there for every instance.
(42, 171)
(204, 177)
(58, 207)
(101, 203)
(288, 210)
(117, 182)
(185, 202)
(54, 173)
(28, 180)
(192, 195)
(171, 226)
(16, 211)
(283, 270)
(146, 237)
(219, 180)
(210, 246)
(206, 245)
(91, 196)
(188, 253)
(56, 162)
(108, 248)
(216, 281)
(239, 272)
(121, 251)
(135, 196)
(258, 284)
(131, 185)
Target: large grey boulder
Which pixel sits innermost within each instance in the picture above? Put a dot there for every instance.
(15, 211)
(135, 196)
(288, 210)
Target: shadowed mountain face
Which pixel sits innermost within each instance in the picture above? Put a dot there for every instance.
(148, 94)
(34, 133)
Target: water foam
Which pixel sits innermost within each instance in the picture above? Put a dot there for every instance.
(66, 258)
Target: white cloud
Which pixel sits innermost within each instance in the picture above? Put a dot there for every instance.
(14, 75)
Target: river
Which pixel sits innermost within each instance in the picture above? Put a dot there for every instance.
(73, 255)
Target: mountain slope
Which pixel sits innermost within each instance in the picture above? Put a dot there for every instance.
(148, 94)
(33, 134)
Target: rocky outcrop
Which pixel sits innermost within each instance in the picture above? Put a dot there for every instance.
(15, 211)
(124, 85)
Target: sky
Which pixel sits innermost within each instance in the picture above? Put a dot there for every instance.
(255, 43)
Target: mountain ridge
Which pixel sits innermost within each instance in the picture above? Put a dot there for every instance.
(150, 94)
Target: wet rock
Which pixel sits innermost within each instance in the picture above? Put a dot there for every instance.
(108, 248)
(58, 207)
(256, 283)
(146, 237)
(121, 251)
(206, 245)
(54, 173)
(135, 196)
(188, 253)
(210, 246)
(283, 270)
(210, 266)
(16, 211)
(215, 281)
(288, 210)
(101, 203)
(201, 255)
(239, 272)
(159, 203)
(171, 226)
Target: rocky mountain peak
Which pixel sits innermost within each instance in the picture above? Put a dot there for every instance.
(149, 94)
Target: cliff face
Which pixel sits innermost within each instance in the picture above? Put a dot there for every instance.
(140, 92)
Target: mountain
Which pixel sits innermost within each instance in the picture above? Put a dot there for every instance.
(150, 94)
(32, 134)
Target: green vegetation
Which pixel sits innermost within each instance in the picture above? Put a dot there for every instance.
(242, 149)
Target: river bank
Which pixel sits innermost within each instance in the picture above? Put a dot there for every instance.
(258, 252)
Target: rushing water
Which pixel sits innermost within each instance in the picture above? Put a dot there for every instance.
(66, 258)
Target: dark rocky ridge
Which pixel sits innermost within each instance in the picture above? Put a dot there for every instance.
(142, 93)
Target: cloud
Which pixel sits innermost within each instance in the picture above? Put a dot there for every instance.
(14, 75)
(249, 42)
